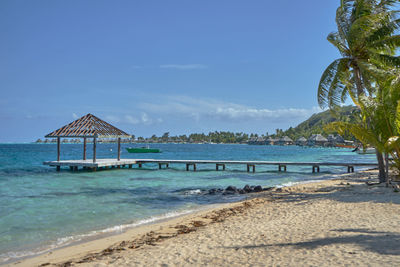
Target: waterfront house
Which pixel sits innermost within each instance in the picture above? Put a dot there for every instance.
(301, 141)
(339, 139)
(260, 141)
(252, 141)
(284, 141)
(271, 141)
(317, 140)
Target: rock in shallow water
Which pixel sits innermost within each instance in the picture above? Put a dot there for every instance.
(258, 188)
(231, 190)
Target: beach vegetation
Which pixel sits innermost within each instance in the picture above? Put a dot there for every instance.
(367, 39)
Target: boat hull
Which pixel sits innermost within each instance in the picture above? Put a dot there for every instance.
(143, 150)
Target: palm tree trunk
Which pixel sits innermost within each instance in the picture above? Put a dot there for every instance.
(381, 167)
(379, 157)
(357, 76)
(387, 169)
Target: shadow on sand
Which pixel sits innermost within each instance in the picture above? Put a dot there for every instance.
(384, 243)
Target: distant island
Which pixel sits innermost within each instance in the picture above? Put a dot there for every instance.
(309, 132)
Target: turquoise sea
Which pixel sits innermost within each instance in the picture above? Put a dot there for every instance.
(41, 209)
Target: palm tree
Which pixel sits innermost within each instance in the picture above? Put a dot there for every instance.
(380, 124)
(367, 42)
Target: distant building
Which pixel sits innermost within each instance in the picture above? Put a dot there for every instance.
(260, 141)
(301, 141)
(339, 139)
(317, 140)
(252, 141)
(284, 141)
(271, 141)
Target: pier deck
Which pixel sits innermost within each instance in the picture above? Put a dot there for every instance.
(251, 165)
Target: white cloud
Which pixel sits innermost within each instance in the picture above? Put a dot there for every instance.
(74, 116)
(112, 118)
(183, 66)
(198, 108)
(253, 113)
(146, 119)
(131, 120)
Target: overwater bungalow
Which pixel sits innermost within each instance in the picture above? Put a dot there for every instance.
(285, 141)
(302, 141)
(260, 141)
(339, 139)
(317, 140)
(271, 141)
(252, 141)
(334, 140)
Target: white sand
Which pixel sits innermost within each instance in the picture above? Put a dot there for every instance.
(327, 223)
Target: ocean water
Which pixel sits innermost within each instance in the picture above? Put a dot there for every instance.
(41, 209)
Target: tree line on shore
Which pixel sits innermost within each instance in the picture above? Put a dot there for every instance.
(367, 72)
(314, 125)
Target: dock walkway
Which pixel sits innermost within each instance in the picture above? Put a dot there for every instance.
(192, 164)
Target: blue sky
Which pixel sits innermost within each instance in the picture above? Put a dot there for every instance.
(161, 66)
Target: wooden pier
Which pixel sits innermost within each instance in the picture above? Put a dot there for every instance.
(74, 165)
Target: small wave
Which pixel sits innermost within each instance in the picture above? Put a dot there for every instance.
(69, 240)
(193, 192)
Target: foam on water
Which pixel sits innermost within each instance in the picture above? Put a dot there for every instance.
(69, 240)
(67, 207)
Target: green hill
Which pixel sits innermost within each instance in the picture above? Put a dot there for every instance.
(316, 123)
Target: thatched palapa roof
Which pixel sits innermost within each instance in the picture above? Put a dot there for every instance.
(286, 139)
(318, 138)
(89, 126)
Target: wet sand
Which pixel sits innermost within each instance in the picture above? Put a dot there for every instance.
(330, 223)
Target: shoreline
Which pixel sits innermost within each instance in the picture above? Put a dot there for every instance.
(121, 229)
(152, 235)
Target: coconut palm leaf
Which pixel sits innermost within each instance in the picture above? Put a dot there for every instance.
(331, 87)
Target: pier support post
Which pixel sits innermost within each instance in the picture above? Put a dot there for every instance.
(350, 169)
(282, 166)
(58, 148)
(130, 166)
(315, 168)
(218, 165)
(58, 168)
(71, 168)
(94, 149)
(188, 164)
(161, 164)
(76, 168)
(140, 165)
(84, 148)
(251, 165)
(119, 149)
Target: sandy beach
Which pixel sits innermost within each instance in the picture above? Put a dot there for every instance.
(339, 222)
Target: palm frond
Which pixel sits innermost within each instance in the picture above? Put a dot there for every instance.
(330, 86)
(385, 60)
(341, 44)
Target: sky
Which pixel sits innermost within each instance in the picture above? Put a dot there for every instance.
(150, 67)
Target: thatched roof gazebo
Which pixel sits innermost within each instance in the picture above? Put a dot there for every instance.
(88, 126)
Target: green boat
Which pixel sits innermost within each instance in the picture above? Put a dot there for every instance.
(143, 150)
